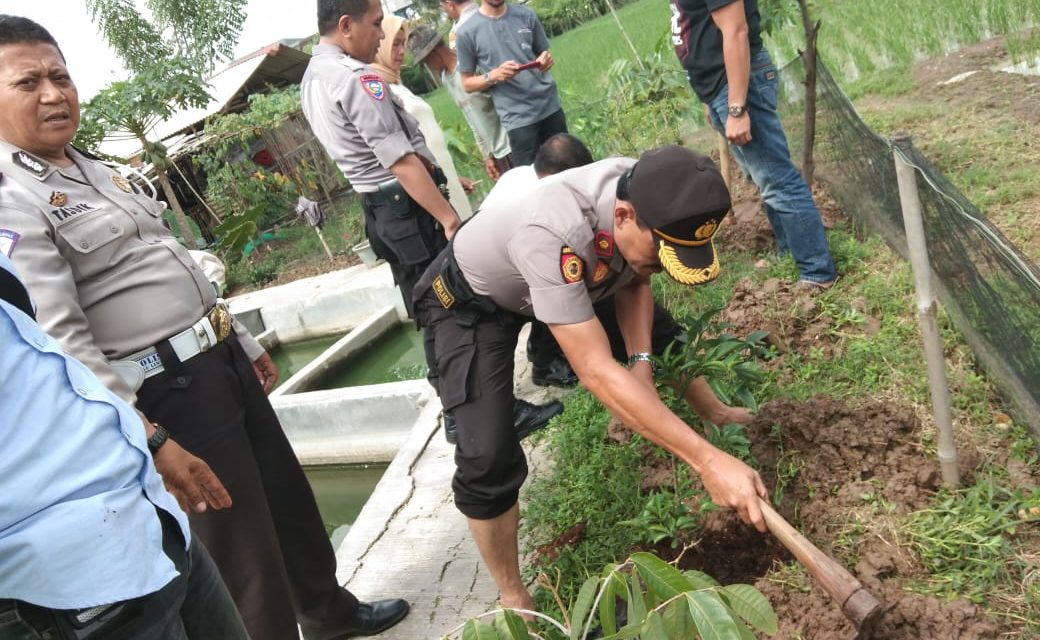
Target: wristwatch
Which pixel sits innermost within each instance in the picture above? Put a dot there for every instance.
(642, 357)
(737, 110)
(488, 80)
(158, 438)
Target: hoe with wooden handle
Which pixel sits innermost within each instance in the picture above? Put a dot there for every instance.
(861, 608)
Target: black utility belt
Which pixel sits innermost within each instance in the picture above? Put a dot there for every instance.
(455, 294)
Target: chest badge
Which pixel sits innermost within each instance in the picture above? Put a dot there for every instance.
(601, 272)
(604, 244)
(31, 164)
(122, 183)
(59, 199)
(571, 266)
(373, 86)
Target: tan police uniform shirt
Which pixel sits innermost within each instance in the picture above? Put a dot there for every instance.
(548, 251)
(106, 274)
(356, 117)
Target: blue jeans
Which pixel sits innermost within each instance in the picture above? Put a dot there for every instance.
(767, 160)
(193, 606)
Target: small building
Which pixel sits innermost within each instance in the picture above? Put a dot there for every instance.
(270, 68)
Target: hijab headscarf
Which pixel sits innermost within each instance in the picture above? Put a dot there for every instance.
(384, 62)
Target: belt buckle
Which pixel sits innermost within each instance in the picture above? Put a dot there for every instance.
(220, 319)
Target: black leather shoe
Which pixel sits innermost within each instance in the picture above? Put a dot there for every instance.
(369, 619)
(528, 418)
(450, 434)
(557, 373)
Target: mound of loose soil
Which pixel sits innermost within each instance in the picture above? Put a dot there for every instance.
(841, 457)
(792, 318)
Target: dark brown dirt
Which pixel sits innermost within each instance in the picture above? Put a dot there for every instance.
(792, 318)
(834, 458)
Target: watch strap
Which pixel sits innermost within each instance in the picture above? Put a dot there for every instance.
(642, 356)
(158, 438)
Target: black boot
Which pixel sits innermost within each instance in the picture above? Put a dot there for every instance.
(528, 418)
(557, 373)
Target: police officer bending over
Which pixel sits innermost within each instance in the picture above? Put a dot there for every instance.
(379, 148)
(586, 234)
(122, 296)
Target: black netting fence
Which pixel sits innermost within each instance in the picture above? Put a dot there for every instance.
(988, 288)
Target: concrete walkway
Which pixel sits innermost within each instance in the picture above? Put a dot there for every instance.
(411, 542)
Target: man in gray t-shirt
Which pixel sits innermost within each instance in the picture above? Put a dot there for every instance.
(501, 37)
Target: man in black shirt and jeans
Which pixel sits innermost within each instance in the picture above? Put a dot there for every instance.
(719, 43)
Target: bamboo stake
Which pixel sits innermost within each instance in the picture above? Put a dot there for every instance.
(927, 309)
(321, 237)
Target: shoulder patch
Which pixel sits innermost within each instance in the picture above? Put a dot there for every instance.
(373, 85)
(571, 266)
(8, 239)
(30, 163)
(604, 244)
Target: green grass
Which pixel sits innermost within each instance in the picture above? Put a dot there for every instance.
(860, 38)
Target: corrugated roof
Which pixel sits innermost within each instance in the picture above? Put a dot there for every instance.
(229, 89)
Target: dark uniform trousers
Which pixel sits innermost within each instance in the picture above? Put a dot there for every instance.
(472, 371)
(271, 545)
(193, 606)
(402, 233)
(663, 331)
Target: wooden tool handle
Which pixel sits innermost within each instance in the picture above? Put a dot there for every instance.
(856, 602)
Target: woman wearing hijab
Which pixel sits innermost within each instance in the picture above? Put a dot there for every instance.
(388, 63)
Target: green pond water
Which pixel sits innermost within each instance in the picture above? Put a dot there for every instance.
(396, 355)
(290, 358)
(341, 490)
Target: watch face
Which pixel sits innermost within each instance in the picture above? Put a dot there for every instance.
(736, 111)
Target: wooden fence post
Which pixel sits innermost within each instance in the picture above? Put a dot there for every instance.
(926, 309)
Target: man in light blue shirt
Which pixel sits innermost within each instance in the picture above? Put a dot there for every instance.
(91, 544)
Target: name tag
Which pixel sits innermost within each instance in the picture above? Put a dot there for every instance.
(150, 362)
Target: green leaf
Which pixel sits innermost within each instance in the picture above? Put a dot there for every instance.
(477, 630)
(636, 603)
(700, 580)
(511, 626)
(710, 615)
(653, 628)
(753, 607)
(608, 606)
(677, 621)
(662, 579)
(757, 336)
(582, 606)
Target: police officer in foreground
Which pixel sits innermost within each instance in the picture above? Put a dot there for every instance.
(379, 148)
(119, 293)
(586, 234)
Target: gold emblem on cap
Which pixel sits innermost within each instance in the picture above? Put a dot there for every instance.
(59, 199)
(706, 230)
(703, 235)
(687, 275)
(122, 183)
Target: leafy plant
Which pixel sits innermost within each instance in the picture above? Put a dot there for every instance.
(722, 358)
(662, 603)
(664, 516)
